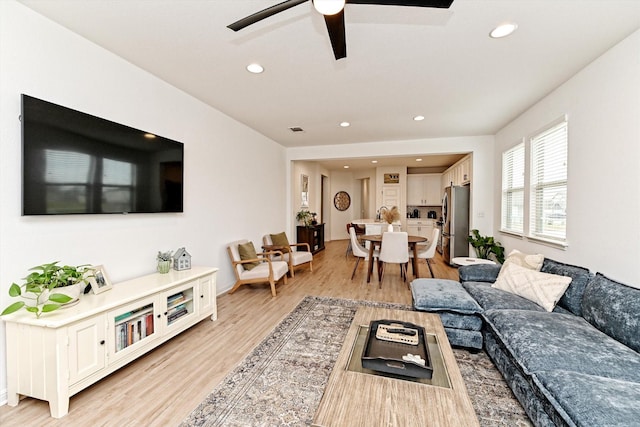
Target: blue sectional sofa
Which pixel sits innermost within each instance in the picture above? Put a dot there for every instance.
(576, 366)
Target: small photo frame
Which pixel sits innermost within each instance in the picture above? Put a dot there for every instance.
(99, 280)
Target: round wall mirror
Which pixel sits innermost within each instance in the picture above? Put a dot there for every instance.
(342, 201)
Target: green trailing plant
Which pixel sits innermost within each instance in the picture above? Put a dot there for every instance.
(37, 292)
(305, 217)
(164, 256)
(486, 246)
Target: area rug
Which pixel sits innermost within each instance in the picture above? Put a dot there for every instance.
(280, 383)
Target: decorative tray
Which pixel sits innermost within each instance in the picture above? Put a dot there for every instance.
(398, 348)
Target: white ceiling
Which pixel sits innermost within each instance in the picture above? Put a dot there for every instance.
(401, 61)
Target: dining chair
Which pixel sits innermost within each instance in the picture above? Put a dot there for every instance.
(427, 252)
(359, 251)
(394, 249)
(349, 246)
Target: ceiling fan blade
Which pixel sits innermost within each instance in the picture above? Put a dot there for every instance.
(335, 27)
(444, 4)
(266, 13)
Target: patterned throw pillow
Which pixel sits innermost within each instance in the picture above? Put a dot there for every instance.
(248, 251)
(532, 262)
(542, 288)
(280, 239)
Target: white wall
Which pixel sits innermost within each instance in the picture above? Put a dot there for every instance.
(603, 212)
(233, 176)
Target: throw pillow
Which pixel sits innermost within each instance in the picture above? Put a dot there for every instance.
(542, 288)
(532, 262)
(248, 251)
(280, 239)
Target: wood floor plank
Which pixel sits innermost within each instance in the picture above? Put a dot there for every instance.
(164, 386)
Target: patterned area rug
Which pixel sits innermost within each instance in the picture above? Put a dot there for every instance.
(280, 383)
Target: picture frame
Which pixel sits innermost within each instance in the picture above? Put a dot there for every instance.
(304, 185)
(99, 280)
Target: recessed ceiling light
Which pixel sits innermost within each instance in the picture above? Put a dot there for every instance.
(149, 135)
(418, 160)
(418, 118)
(503, 30)
(255, 68)
(346, 166)
(345, 124)
(374, 161)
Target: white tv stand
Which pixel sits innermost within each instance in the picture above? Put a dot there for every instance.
(65, 351)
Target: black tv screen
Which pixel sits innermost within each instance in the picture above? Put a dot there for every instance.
(76, 163)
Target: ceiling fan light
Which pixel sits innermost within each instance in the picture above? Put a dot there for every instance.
(328, 7)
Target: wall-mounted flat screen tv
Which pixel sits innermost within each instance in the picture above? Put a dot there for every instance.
(76, 163)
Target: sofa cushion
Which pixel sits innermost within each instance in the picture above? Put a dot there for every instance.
(541, 341)
(590, 400)
(495, 299)
(442, 295)
(248, 251)
(479, 273)
(468, 322)
(614, 308)
(542, 288)
(580, 276)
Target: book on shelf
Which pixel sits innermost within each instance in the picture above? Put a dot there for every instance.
(174, 299)
(177, 315)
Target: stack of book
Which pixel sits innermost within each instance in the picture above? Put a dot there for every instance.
(133, 326)
(177, 307)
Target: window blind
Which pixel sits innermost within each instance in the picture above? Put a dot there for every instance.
(513, 190)
(548, 216)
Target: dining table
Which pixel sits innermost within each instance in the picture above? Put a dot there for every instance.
(376, 240)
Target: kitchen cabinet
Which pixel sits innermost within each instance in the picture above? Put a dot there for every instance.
(421, 227)
(458, 174)
(424, 190)
(65, 351)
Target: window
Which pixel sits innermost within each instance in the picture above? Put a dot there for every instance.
(513, 190)
(534, 186)
(548, 198)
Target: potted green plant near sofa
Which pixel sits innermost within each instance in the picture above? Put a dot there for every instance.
(486, 246)
(48, 288)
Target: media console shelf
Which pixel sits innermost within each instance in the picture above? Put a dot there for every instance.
(65, 351)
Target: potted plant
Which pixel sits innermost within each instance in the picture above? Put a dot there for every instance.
(486, 246)
(164, 261)
(304, 217)
(49, 287)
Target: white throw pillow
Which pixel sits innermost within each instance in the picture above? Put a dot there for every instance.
(530, 261)
(542, 288)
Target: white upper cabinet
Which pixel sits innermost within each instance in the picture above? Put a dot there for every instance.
(424, 190)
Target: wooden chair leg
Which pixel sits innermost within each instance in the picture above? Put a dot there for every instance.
(273, 287)
(355, 268)
(381, 274)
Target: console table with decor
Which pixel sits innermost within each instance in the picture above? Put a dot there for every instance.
(313, 235)
(65, 351)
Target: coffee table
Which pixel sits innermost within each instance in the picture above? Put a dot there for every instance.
(358, 397)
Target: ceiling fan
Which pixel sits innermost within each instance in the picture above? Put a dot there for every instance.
(333, 12)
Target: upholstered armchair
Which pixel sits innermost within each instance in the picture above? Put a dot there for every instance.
(290, 252)
(251, 267)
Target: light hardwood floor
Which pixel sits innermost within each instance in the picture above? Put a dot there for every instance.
(164, 386)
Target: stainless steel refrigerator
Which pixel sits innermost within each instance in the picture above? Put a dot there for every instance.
(455, 214)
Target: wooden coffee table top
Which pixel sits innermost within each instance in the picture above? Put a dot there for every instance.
(358, 399)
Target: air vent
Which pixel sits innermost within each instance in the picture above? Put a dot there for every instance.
(296, 129)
